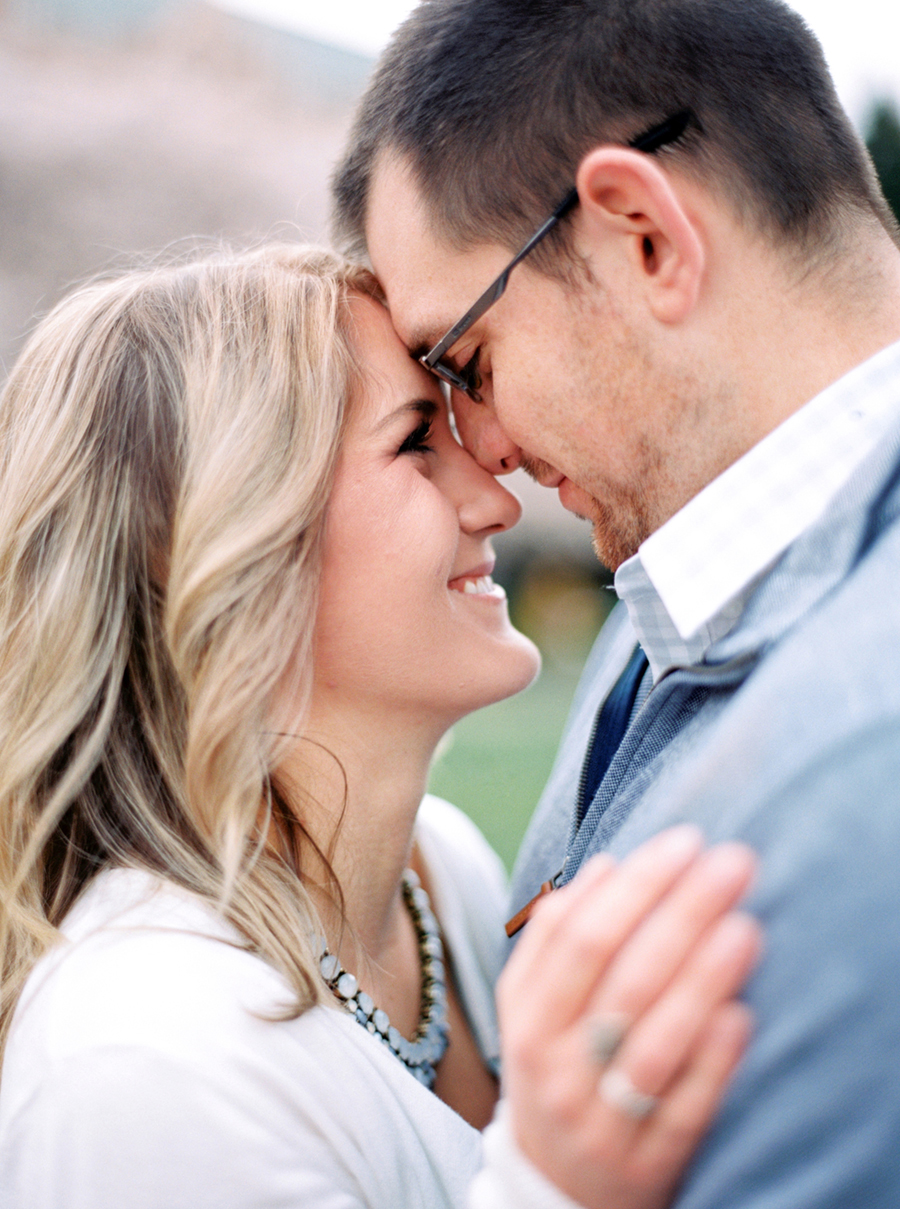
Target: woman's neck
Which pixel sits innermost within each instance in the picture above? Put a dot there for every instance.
(357, 788)
(361, 790)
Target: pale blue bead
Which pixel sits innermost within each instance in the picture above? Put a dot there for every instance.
(420, 1055)
(346, 986)
(330, 967)
(366, 1003)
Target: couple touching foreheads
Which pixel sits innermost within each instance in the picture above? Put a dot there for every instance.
(246, 588)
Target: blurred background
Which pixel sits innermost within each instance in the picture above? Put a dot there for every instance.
(133, 125)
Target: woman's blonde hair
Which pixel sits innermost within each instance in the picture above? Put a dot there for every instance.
(167, 448)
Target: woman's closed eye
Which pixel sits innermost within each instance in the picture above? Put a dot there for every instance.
(417, 441)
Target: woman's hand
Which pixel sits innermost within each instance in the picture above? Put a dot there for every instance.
(619, 1023)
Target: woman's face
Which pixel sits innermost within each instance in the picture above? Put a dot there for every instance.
(409, 619)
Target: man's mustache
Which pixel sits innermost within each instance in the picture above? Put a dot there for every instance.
(536, 469)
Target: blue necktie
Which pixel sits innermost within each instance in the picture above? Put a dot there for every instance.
(611, 724)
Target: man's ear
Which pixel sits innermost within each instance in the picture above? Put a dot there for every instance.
(629, 207)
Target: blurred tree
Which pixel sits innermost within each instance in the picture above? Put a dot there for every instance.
(883, 141)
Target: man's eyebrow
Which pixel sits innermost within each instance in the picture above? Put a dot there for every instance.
(424, 338)
(426, 408)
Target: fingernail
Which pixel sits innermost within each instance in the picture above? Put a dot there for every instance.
(598, 865)
(728, 863)
(680, 842)
(737, 930)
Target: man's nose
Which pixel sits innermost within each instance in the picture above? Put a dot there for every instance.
(483, 436)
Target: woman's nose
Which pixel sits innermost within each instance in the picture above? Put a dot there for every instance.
(484, 438)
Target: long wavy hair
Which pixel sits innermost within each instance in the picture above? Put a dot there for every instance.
(168, 442)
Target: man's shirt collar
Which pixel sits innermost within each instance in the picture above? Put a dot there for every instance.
(687, 585)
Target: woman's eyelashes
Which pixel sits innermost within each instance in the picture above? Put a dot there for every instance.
(417, 441)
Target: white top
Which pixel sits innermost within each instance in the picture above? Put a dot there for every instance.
(141, 1074)
(687, 585)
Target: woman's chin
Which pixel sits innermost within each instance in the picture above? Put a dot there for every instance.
(531, 665)
(519, 667)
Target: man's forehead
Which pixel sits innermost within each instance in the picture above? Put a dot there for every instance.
(427, 282)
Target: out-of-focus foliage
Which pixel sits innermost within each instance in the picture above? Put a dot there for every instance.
(883, 141)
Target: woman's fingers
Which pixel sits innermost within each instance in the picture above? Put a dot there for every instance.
(685, 1113)
(605, 1158)
(618, 1016)
(664, 1037)
(663, 1043)
(660, 900)
(658, 948)
(651, 1051)
(576, 931)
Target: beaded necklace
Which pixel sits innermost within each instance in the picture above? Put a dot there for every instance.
(421, 1055)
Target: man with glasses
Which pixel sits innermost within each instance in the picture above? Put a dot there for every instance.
(641, 242)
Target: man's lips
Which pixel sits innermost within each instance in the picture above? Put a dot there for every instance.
(552, 479)
(574, 499)
(543, 473)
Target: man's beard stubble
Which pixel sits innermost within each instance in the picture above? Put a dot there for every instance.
(617, 538)
(617, 532)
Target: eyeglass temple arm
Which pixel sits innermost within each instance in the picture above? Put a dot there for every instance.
(496, 289)
(666, 132)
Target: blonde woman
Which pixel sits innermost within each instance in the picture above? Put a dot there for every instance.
(246, 587)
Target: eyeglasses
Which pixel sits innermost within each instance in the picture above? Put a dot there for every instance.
(659, 136)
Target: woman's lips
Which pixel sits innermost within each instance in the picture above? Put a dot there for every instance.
(477, 585)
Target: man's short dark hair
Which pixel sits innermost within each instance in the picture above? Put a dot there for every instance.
(493, 103)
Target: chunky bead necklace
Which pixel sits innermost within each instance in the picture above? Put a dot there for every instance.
(424, 1052)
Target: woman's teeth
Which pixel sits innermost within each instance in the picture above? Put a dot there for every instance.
(482, 586)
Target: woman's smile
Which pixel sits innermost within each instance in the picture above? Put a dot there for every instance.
(478, 582)
(483, 586)
(409, 532)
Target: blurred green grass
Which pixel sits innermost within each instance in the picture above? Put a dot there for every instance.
(496, 761)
